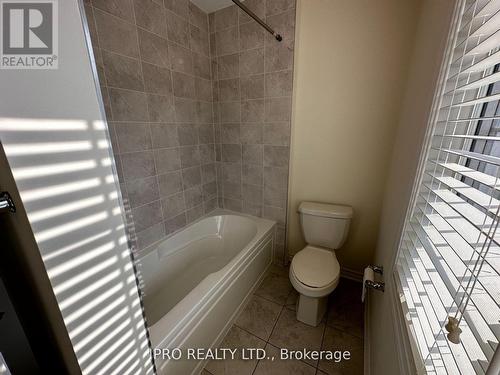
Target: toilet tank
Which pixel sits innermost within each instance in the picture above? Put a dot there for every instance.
(325, 224)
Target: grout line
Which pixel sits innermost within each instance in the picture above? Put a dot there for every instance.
(149, 127)
(247, 331)
(263, 202)
(323, 335)
(238, 23)
(165, 148)
(205, 101)
(268, 300)
(267, 342)
(175, 96)
(240, 118)
(125, 202)
(206, 370)
(169, 66)
(152, 32)
(219, 124)
(275, 324)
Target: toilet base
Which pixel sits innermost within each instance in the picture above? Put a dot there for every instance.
(311, 310)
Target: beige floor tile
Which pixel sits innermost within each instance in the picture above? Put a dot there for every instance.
(291, 334)
(291, 301)
(282, 367)
(348, 318)
(259, 317)
(348, 290)
(279, 270)
(346, 311)
(236, 339)
(336, 340)
(275, 288)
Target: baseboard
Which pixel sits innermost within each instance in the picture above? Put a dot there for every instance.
(347, 273)
(366, 337)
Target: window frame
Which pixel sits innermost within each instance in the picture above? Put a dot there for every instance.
(409, 355)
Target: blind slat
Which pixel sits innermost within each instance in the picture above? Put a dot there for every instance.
(471, 155)
(476, 101)
(414, 267)
(490, 8)
(466, 136)
(445, 262)
(484, 200)
(449, 258)
(467, 119)
(470, 213)
(488, 28)
(481, 12)
(485, 81)
(483, 64)
(491, 42)
(482, 178)
(468, 249)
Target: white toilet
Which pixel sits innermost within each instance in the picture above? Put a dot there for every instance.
(315, 271)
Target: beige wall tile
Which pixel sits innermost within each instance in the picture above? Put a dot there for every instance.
(157, 80)
(150, 16)
(112, 31)
(226, 18)
(251, 36)
(177, 29)
(154, 49)
(122, 72)
(179, 7)
(120, 8)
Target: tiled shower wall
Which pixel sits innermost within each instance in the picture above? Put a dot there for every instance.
(198, 108)
(253, 76)
(154, 70)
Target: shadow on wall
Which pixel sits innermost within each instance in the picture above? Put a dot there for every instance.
(65, 177)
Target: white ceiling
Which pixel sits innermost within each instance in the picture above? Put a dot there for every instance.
(210, 6)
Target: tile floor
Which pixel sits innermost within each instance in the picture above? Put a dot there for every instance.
(269, 322)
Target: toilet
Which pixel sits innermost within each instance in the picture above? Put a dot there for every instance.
(315, 271)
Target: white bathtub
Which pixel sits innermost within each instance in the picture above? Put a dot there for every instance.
(197, 281)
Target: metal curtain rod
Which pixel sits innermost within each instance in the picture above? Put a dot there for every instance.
(256, 18)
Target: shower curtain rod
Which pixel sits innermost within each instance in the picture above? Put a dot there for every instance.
(256, 18)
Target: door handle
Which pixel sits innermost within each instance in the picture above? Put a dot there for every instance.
(6, 203)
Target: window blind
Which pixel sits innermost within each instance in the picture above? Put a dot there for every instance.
(449, 257)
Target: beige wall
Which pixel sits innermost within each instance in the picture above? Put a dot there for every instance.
(350, 67)
(432, 32)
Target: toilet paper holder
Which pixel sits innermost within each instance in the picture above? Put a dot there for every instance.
(377, 269)
(377, 285)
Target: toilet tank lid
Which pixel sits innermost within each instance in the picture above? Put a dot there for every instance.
(336, 211)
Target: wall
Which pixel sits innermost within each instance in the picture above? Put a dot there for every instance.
(429, 47)
(350, 67)
(15, 351)
(56, 143)
(252, 91)
(154, 71)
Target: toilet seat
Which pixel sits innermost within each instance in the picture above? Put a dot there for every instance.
(315, 271)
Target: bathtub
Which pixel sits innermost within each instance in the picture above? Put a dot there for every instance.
(197, 281)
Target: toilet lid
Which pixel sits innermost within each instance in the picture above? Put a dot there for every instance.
(315, 267)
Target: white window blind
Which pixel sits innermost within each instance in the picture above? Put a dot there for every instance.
(449, 258)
